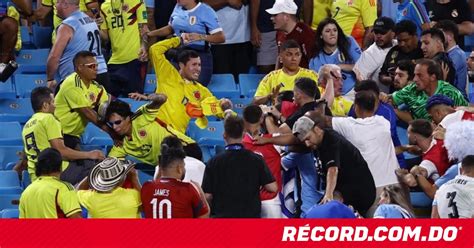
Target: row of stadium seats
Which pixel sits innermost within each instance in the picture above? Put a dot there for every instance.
(222, 85)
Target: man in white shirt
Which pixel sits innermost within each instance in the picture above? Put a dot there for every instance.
(455, 199)
(369, 64)
(370, 133)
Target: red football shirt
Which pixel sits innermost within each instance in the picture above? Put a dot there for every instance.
(438, 155)
(272, 159)
(168, 198)
(305, 36)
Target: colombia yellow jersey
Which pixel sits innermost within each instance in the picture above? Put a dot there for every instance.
(279, 77)
(147, 135)
(73, 95)
(348, 12)
(37, 132)
(184, 97)
(49, 197)
(121, 19)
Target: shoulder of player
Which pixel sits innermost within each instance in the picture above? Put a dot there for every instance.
(307, 72)
(272, 74)
(64, 185)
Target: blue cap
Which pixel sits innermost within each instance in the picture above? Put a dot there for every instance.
(439, 99)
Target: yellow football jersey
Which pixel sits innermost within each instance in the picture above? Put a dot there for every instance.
(49, 197)
(184, 97)
(37, 132)
(147, 135)
(73, 95)
(121, 19)
(279, 77)
(348, 12)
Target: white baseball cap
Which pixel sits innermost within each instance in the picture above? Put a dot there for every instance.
(283, 6)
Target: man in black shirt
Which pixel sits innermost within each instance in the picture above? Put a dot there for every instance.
(345, 169)
(432, 45)
(408, 48)
(454, 10)
(232, 179)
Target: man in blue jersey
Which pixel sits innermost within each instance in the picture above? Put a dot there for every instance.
(415, 11)
(78, 32)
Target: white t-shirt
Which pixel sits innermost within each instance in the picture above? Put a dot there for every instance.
(455, 199)
(194, 170)
(235, 23)
(373, 139)
(370, 62)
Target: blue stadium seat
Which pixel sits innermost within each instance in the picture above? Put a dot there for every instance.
(10, 213)
(150, 83)
(9, 179)
(7, 90)
(209, 136)
(11, 134)
(42, 36)
(8, 154)
(25, 179)
(248, 84)
(96, 136)
(223, 85)
(469, 41)
(10, 190)
(134, 105)
(25, 83)
(9, 201)
(15, 110)
(403, 136)
(26, 40)
(32, 60)
(240, 104)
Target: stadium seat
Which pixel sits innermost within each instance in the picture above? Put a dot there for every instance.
(10, 190)
(7, 90)
(42, 36)
(25, 179)
(9, 201)
(96, 136)
(240, 104)
(134, 105)
(150, 83)
(10, 213)
(9, 179)
(223, 85)
(32, 60)
(469, 41)
(15, 110)
(209, 136)
(248, 84)
(9, 154)
(11, 134)
(403, 136)
(25, 83)
(26, 40)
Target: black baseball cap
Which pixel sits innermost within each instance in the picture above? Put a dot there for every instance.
(383, 24)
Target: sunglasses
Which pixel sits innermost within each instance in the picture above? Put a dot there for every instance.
(90, 65)
(112, 123)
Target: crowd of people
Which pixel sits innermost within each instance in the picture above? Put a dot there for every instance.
(319, 138)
